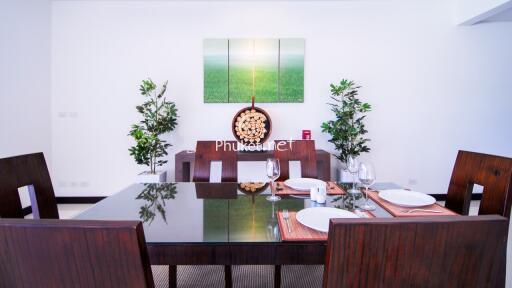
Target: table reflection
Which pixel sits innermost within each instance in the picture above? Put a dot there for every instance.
(155, 197)
(205, 212)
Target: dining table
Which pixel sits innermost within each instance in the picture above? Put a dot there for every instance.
(217, 223)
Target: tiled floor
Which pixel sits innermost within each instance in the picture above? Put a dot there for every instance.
(67, 211)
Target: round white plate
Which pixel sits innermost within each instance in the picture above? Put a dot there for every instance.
(406, 198)
(303, 184)
(318, 217)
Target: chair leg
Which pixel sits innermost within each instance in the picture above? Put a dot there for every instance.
(228, 276)
(277, 276)
(173, 276)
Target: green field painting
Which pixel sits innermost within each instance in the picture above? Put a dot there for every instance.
(291, 72)
(270, 69)
(216, 71)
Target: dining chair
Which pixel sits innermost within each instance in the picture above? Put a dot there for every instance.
(208, 151)
(73, 253)
(447, 251)
(26, 170)
(492, 172)
(296, 150)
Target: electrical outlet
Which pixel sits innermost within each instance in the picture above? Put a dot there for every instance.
(412, 182)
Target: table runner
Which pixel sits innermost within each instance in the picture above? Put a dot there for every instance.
(332, 189)
(397, 211)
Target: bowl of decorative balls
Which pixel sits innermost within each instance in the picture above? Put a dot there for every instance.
(252, 187)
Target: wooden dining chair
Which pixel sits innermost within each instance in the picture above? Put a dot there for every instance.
(296, 150)
(71, 253)
(452, 251)
(443, 251)
(208, 151)
(26, 170)
(494, 173)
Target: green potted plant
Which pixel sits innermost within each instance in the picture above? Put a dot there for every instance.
(159, 117)
(347, 130)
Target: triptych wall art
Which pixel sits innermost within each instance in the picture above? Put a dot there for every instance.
(272, 70)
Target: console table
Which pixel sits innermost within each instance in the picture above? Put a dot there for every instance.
(184, 159)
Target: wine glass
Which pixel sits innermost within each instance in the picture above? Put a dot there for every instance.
(273, 226)
(353, 167)
(273, 172)
(367, 178)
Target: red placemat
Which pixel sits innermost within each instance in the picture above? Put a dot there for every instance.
(300, 232)
(332, 189)
(397, 211)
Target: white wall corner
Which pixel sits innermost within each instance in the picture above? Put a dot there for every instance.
(470, 12)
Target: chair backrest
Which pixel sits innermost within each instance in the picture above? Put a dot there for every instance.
(443, 251)
(71, 253)
(208, 151)
(296, 150)
(494, 173)
(26, 170)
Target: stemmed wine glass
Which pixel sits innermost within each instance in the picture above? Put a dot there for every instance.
(367, 178)
(353, 167)
(273, 226)
(273, 172)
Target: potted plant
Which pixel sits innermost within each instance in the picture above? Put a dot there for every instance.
(348, 129)
(159, 117)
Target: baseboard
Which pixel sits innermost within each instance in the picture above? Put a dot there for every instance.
(69, 200)
(27, 210)
(442, 197)
(79, 200)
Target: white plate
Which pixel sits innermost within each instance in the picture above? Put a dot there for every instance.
(318, 217)
(406, 198)
(303, 184)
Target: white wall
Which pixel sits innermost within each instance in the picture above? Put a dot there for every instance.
(25, 81)
(435, 87)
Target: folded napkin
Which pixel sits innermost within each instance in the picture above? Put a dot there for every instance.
(332, 189)
(398, 211)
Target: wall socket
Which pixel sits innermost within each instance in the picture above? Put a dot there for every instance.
(74, 184)
(412, 182)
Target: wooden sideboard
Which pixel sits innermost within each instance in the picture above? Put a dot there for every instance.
(184, 161)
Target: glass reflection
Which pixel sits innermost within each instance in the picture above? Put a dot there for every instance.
(155, 195)
(347, 201)
(273, 226)
(252, 189)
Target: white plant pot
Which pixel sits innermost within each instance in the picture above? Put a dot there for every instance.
(148, 177)
(345, 176)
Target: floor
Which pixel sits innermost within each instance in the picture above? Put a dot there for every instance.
(67, 211)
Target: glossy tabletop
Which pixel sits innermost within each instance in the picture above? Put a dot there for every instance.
(206, 212)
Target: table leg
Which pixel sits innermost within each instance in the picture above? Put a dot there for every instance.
(228, 276)
(173, 276)
(277, 276)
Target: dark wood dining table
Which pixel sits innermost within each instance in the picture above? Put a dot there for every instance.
(214, 223)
